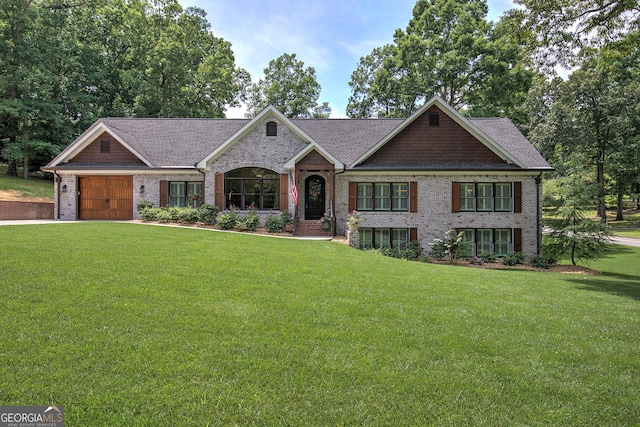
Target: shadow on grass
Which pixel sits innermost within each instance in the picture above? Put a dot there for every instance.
(615, 284)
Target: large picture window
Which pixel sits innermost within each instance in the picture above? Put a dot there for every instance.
(383, 196)
(252, 187)
(183, 193)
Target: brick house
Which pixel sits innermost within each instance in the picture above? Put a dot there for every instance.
(409, 178)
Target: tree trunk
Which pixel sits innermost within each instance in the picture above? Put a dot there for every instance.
(25, 167)
(12, 170)
(602, 208)
(573, 253)
(620, 205)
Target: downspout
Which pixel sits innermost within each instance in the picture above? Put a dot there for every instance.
(58, 181)
(539, 214)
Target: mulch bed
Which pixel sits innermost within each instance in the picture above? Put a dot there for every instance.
(558, 268)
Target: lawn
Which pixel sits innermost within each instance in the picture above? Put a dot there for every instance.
(27, 188)
(137, 325)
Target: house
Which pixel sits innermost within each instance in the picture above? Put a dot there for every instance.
(409, 178)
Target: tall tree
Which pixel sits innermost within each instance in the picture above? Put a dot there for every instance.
(557, 29)
(448, 49)
(290, 87)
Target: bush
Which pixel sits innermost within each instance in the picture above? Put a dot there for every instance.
(452, 246)
(165, 215)
(188, 215)
(488, 258)
(149, 214)
(413, 251)
(207, 214)
(543, 261)
(274, 223)
(227, 220)
(513, 259)
(249, 222)
(287, 218)
(143, 204)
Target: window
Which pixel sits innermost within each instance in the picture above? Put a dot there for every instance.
(272, 129)
(105, 146)
(496, 241)
(384, 238)
(485, 197)
(256, 187)
(185, 193)
(383, 196)
(434, 119)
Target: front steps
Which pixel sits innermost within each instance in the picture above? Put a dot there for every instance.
(311, 228)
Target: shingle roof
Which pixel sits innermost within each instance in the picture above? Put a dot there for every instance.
(185, 142)
(504, 133)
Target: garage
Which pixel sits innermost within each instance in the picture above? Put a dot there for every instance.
(105, 198)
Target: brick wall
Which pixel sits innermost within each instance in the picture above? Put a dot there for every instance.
(434, 216)
(12, 210)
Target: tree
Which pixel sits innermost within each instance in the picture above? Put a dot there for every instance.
(574, 234)
(448, 49)
(556, 29)
(290, 87)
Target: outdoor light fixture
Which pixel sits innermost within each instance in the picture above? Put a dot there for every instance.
(142, 189)
(64, 188)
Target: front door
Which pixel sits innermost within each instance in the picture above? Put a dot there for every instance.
(314, 197)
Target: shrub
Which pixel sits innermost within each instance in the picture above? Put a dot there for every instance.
(488, 258)
(413, 251)
(227, 220)
(164, 215)
(207, 214)
(476, 260)
(543, 261)
(143, 204)
(452, 246)
(287, 218)
(274, 223)
(188, 215)
(149, 214)
(249, 222)
(513, 259)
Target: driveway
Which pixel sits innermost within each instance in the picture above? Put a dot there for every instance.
(627, 241)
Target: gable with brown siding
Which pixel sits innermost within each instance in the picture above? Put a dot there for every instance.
(422, 143)
(106, 150)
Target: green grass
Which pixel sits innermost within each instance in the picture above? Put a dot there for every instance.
(134, 325)
(31, 187)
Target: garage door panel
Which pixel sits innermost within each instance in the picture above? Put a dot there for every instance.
(106, 198)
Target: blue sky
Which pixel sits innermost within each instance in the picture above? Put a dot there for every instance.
(328, 35)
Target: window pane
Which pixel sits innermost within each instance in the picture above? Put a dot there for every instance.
(400, 196)
(177, 194)
(366, 238)
(383, 197)
(365, 197)
(233, 193)
(503, 241)
(484, 238)
(485, 197)
(194, 194)
(382, 237)
(400, 238)
(467, 197)
(503, 197)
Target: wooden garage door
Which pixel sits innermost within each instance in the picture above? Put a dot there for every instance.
(106, 197)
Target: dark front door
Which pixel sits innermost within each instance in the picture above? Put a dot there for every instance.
(314, 197)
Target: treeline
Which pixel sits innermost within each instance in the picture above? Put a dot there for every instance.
(65, 64)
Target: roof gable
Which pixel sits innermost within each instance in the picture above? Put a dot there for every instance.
(248, 128)
(454, 141)
(90, 141)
